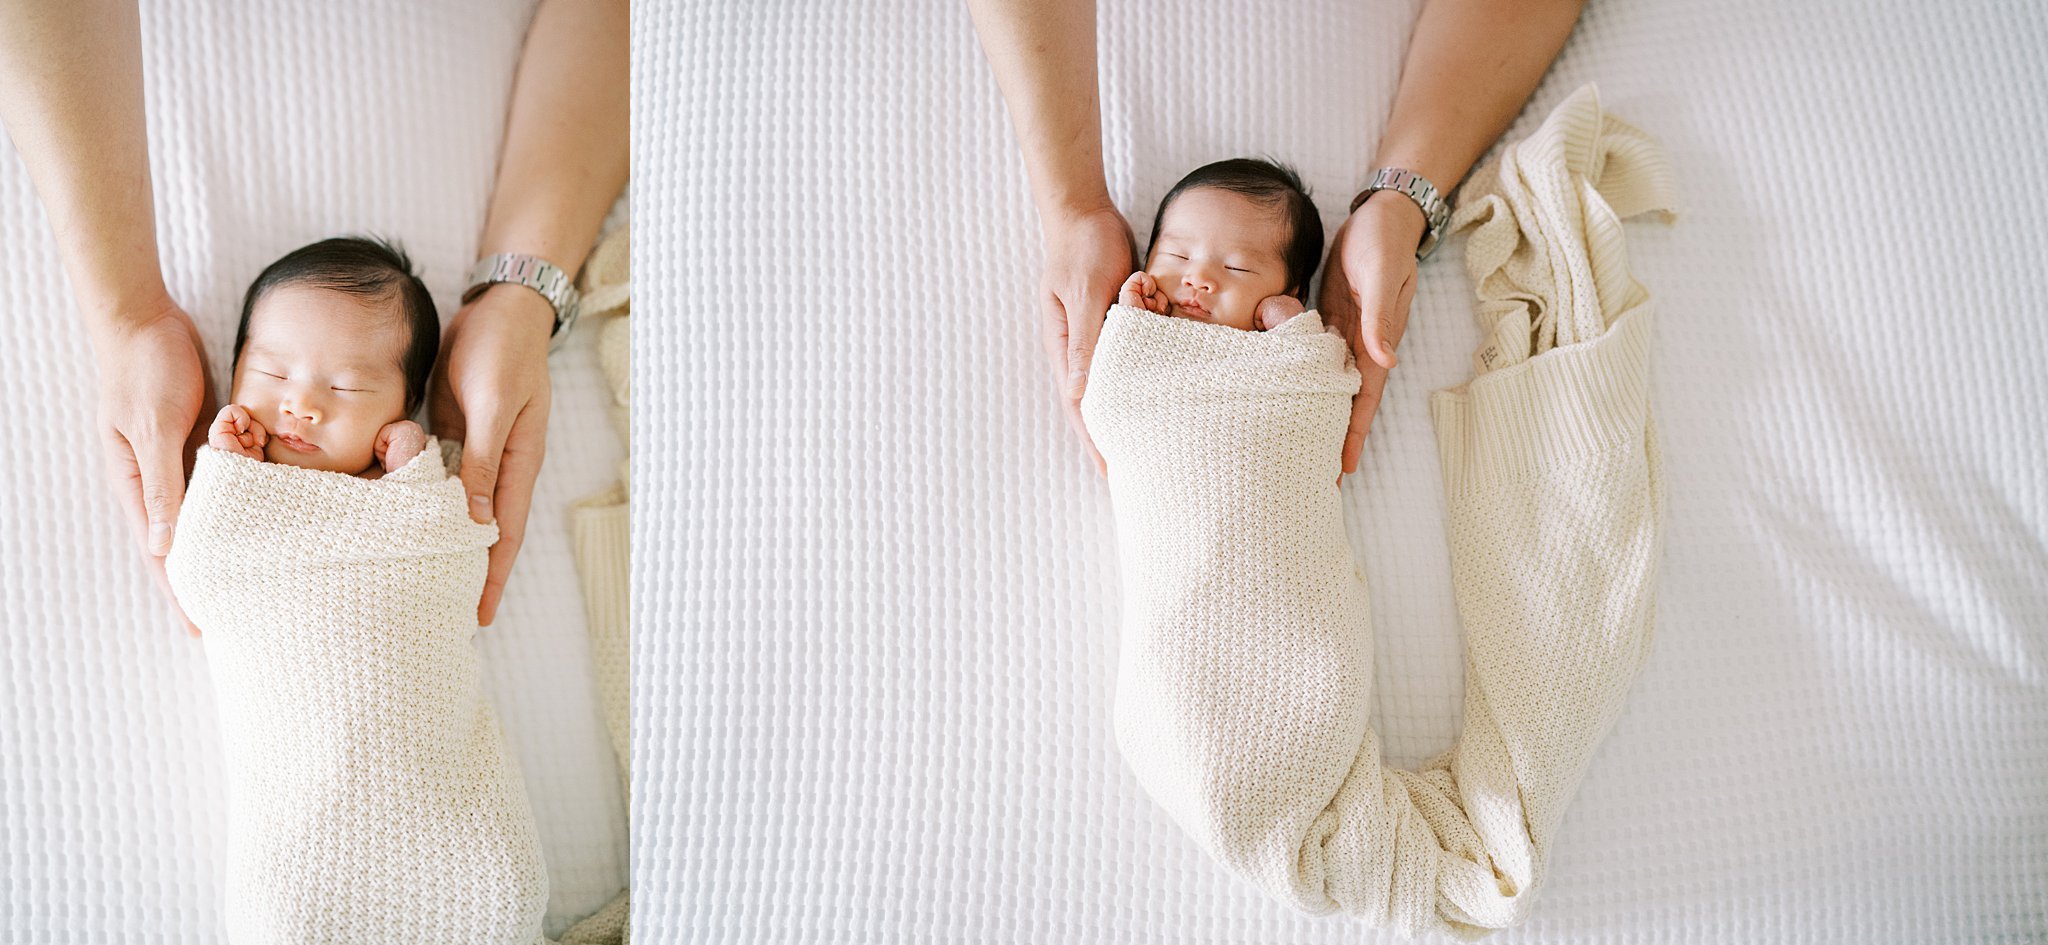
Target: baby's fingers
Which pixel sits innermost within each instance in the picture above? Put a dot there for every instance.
(234, 430)
(1133, 291)
(223, 432)
(1151, 297)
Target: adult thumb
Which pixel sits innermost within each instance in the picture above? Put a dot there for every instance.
(481, 454)
(162, 472)
(1081, 334)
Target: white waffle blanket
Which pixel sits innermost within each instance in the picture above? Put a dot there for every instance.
(1243, 689)
(370, 794)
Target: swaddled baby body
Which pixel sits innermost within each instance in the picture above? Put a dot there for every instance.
(1244, 680)
(330, 562)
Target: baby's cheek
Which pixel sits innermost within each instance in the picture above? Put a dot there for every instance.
(358, 451)
(259, 411)
(1239, 313)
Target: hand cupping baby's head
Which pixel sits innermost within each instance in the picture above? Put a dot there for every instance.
(337, 340)
(1230, 235)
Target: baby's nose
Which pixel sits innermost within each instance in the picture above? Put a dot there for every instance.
(300, 411)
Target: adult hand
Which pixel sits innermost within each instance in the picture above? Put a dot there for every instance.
(1367, 286)
(1088, 254)
(491, 392)
(153, 390)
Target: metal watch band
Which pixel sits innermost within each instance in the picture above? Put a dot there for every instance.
(1417, 188)
(534, 273)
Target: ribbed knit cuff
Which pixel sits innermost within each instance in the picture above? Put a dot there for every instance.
(1564, 404)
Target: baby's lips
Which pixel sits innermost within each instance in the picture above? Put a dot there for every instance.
(303, 446)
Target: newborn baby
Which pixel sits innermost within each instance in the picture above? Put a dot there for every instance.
(335, 346)
(1234, 243)
(330, 561)
(1244, 680)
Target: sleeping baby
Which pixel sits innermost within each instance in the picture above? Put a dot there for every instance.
(1244, 696)
(1234, 243)
(331, 564)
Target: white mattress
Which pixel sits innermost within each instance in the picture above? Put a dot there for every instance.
(876, 580)
(271, 125)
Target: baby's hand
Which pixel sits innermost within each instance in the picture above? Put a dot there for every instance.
(1275, 310)
(398, 443)
(235, 431)
(1142, 291)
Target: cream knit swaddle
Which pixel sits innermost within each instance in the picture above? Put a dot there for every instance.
(1244, 686)
(371, 795)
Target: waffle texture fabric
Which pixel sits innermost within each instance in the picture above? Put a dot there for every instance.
(598, 528)
(1244, 685)
(598, 523)
(371, 795)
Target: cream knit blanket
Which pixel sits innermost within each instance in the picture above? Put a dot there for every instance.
(1244, 686)
(371, 797)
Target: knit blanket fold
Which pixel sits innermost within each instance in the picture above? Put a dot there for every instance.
(371, 794)
(1245, 674)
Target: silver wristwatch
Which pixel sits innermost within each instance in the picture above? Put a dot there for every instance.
(534, 273)
(1417, 188)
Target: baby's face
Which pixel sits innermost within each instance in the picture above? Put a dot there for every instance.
(320, 370)
(1217, 255)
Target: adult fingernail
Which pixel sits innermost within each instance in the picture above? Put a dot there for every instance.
(160, 538)
(482, 506)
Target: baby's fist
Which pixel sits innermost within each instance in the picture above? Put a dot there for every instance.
(398, 442)
(1275, 310)
(1142, 291)
(235, 431)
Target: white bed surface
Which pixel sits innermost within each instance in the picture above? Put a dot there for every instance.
(270, 126)
(876, 589)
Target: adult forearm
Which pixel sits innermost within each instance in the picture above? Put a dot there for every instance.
(71, 97)
(1471, 66)
(565, 153)
(1043, 57)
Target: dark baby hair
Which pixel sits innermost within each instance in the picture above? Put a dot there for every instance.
(1275, 185)
(369, 269)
